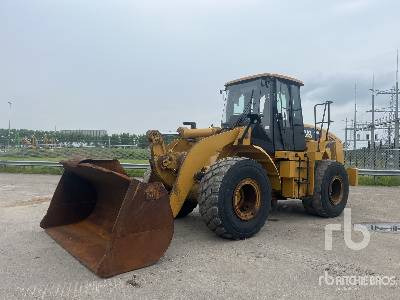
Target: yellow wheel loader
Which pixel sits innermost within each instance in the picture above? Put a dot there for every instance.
(261, 153)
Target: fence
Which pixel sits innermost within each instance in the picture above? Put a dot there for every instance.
(378, 159)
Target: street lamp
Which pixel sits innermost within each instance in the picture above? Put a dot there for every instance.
(9, 124)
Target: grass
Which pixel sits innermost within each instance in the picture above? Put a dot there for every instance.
(54, 171)
(379, 180)
(58, 153)
(31, 158)
(135, 156)
(31, 170)
(57, 171)
(57, 159)
(135, 173)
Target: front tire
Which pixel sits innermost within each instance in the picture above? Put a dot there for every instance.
(331, 190)
(235, 198)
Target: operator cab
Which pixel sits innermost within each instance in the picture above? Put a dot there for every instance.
(274, 101)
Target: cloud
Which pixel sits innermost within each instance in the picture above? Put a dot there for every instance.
(134, 65)
(353, 6)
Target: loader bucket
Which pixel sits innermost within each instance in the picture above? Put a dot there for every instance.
(110, 222)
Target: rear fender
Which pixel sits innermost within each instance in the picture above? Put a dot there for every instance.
(262, 157)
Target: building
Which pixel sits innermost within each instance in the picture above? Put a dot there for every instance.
(91, 133)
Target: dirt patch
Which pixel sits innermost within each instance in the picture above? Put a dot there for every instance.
(133, 282)
(33, 201)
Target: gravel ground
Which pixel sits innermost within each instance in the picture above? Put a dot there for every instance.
(284, 260)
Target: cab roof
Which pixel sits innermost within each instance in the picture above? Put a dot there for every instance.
(275, 75)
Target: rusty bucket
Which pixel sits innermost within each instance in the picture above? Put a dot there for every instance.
(110, 222)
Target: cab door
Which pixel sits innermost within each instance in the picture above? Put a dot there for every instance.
(284, 131)
(289, 131)
(299, 140)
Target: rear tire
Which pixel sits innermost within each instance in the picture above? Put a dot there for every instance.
(331, 190)
(235, 198)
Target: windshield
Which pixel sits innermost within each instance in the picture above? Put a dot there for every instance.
(247, 97)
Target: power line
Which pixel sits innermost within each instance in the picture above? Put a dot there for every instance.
(387, 117)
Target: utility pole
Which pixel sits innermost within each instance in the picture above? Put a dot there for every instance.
(390, 123)
(373, 113)
(396, 111)
(345, 136)
(355, 118)
(9, 124)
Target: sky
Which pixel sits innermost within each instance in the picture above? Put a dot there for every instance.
(130, 66)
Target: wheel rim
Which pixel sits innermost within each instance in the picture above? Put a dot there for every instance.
(247, 199)
(336, 190)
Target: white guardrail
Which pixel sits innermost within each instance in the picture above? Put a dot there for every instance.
(371, 172)
(40, 163)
